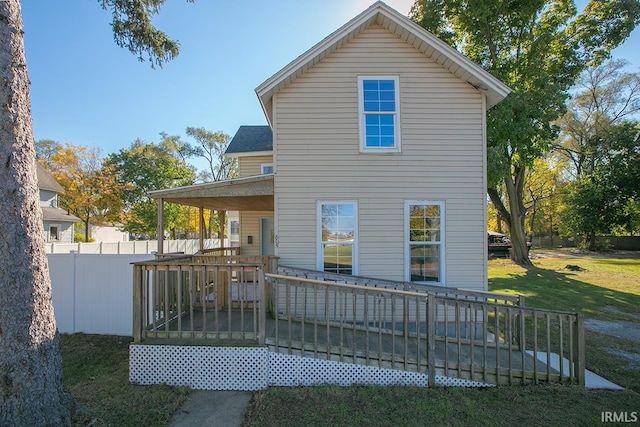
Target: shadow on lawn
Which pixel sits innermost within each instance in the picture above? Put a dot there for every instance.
(551, 289)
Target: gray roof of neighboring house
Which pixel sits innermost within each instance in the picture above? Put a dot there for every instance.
(251, 139)
(58, 215)
(46, 181)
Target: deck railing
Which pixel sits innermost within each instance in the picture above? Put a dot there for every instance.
(440, 291)
(201, 297)
(471, 335)
(476, 340)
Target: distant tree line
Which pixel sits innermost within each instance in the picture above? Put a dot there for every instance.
(588, 182)
(113, 189)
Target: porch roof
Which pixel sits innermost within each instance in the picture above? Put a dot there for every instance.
(254, 193)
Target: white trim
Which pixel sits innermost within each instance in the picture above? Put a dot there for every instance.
(485, 247)
(59, 234)
(397, 148)
(443, 229)
(319, 245)
(250, 154)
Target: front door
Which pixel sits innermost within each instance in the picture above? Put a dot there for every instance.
(267, 237)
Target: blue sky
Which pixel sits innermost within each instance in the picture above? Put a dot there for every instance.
(88, 91)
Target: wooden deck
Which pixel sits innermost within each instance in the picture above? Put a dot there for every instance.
(468, 335)
(460, 358)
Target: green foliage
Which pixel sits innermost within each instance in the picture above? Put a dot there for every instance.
(145, 167)
(538, 48)
(133, 29)
(605, 197)
(212, 147)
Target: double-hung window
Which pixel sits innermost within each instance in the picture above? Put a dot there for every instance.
(379, 114)
(425, 241)
(337, 237)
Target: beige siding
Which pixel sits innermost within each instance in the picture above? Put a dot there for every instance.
(251, 165)
(250, 226)
(442, 159)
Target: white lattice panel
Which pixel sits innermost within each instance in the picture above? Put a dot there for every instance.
(199, 367)
(255, 368)
(290, 370)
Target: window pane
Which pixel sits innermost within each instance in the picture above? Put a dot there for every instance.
(338, 258)
(373, 141)
(425, 263)
(424, 223)
(338, 223)
(387, 84)
(370, 84)
(389, 106)
(387, 141)
(380, 131)
(379, 95)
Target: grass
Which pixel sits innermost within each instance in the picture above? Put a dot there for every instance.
(608, 288)
(96, 372)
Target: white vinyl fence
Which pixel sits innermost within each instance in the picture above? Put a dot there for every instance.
(133, 247)
(93, 293)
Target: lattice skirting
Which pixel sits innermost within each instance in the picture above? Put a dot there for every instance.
(256, 368)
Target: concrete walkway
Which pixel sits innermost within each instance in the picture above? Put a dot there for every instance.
(212, 408)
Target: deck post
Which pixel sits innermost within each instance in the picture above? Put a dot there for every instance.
(137, 303)
(201, 234)
(262, 328)
(579, 362)
(431, 338)
(160, 226)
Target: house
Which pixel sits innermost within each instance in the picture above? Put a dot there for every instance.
(368, 186)
(374, 157)
(58, 224)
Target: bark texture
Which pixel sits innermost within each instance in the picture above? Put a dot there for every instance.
(31, 389)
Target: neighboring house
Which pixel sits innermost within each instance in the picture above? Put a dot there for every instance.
(373, 162)
(57, 223)
(109, 233)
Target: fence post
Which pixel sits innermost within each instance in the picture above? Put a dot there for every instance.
(431, 337)
(578, 362)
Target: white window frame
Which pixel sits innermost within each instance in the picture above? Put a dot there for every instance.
(263, 165)
(320, 244)
(58, 237)
(441, 243)
(362, 115)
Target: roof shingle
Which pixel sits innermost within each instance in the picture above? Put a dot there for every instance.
(251, 139)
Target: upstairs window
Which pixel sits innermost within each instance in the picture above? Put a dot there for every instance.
(379, 107)
(266, 168)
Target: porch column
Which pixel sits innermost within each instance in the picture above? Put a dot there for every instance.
(160, 226)
(201, 228)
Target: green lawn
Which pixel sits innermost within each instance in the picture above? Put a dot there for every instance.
(96, 369)
(96, 372)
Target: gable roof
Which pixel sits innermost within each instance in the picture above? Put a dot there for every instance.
(381, 14)
(46, 181)
(251, 139)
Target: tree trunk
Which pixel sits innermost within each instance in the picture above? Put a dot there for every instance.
(31, 389)
(515, 186)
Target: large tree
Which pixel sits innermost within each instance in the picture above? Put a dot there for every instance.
(31, 388)
(90, 189)
(538, 48)
(604, 97)
(212, 146)
(145, 167)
